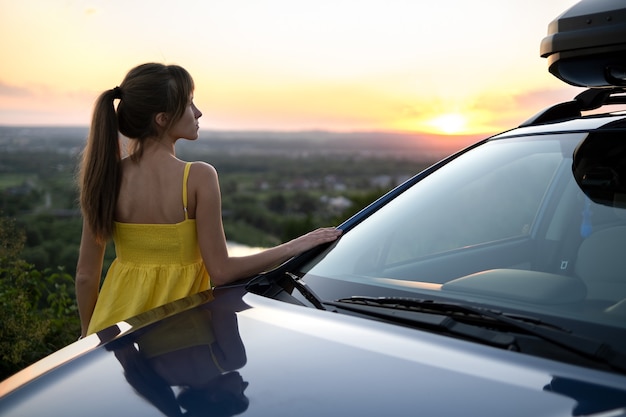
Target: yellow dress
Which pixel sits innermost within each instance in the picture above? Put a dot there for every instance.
(154, 264)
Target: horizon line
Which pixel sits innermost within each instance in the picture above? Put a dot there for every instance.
(259, 130)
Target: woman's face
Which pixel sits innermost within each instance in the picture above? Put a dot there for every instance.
(187, 126)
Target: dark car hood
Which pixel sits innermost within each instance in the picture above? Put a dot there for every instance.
(254, 356)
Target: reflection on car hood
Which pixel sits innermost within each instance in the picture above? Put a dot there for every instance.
(240, 353)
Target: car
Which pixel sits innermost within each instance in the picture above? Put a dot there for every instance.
(492, 283)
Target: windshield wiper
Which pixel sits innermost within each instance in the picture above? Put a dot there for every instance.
(395, 309)
(595, 350)
(305, 291)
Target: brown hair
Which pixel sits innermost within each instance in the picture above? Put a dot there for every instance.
(147, 90)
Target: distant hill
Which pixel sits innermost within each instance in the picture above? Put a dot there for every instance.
(371, 144)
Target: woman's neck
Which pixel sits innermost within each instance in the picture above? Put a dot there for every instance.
(159, 145)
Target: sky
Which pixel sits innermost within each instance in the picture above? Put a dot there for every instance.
(440, 66)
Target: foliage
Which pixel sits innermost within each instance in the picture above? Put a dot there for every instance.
(37, 308)
(359, 202)
(51, 240)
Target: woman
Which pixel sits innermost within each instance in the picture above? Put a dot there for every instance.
(163, 214)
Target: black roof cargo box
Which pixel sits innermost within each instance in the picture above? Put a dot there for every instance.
(586, 45)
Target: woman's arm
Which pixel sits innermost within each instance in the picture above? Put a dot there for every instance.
(223, 268)
(88, 272)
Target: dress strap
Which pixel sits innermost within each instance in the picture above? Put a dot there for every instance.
(185, 176)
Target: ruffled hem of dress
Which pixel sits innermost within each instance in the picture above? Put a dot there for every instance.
(130, 289)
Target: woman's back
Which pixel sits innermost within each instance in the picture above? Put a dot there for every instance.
(151, 190)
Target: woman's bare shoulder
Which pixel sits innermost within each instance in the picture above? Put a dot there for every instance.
(201, 165)
(203, 176)
(202, 169)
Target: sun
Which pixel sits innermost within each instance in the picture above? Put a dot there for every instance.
(449, 123)
(453, 122)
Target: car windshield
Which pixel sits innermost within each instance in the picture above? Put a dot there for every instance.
(504, 225)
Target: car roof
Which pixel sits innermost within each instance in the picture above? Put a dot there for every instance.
(587, 111)
(580, 124)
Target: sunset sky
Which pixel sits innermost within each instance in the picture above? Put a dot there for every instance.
(443, 66)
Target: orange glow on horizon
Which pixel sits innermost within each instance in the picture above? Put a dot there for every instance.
(438, 121)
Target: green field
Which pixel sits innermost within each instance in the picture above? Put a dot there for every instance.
(15, 180)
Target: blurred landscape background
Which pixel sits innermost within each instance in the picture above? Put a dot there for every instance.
(275, 186)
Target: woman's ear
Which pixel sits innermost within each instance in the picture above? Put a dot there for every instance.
(161, 119)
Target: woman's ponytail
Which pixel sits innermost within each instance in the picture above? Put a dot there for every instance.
(100, 167)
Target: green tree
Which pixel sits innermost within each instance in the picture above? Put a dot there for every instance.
(37, 308)
(277, 202)
(359, 202)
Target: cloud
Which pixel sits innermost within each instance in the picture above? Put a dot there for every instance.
(506, 109)
(539, 99)
(8, 90)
